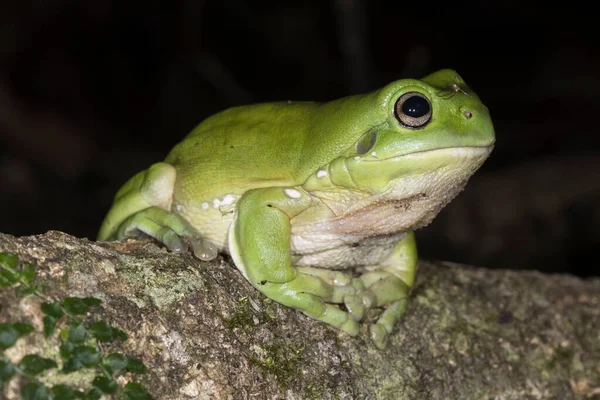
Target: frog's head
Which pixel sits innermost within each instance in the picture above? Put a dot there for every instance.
(424, 140)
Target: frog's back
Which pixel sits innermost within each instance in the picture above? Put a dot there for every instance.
(261, 145)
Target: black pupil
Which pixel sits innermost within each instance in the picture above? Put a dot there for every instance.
(415, 106)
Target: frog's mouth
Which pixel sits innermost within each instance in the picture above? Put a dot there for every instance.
(449, 164)
(457, 151)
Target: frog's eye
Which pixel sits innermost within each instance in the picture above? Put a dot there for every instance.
(413, 110)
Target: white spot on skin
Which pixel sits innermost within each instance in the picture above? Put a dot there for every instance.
(205, 206)
(216, 203)
(357, 158)
(374, 154)
(293, 193)
(228, 199)
(322, 174)
(179, 208)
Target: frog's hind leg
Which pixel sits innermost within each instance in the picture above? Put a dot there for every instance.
(142, 206)
(388, 285)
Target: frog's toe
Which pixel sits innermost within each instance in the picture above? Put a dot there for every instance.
(379, 335)
(369, 299)
(355, 306)
(351, 327)
(171, 240)
(333, 278)
(203, 249)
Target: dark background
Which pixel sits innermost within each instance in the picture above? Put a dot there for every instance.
(92, 92)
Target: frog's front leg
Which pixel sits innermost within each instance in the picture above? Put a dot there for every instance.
(388, 285)
(259, 242)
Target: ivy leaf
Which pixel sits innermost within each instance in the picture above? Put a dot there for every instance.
(71, 365)
(91, 301)
(79, 305)
(81, 356)
(53, 309)
(8, 277)
(135, 391)
(34, 364)
(105, 384)
(8, 259)
(106, 333)
(10, 333)
(75, 306)
(23, 329)
(7, 369)
(135, 366)
(66, 349)
(24, 291)
(115, 362)
(28, 272)
(64, 392)
(93, 394)
(49, 323)
(8, 336)
(77, 334)
(34, 391)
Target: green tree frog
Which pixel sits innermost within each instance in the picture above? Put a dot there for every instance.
(316, 202)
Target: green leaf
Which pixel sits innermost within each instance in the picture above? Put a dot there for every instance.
(66, 349)
(34, 391)
(136, 366)
(93, 394)
(7, 369)
(4, 283)
(10, 333)
(33, 364)
(119, 334)
(8, 336)
(64, 392)
(91, 301)
(75, 306)
(28, 272)
(71, 365)
(115, 362)
(9, 278)
(49, 323)
(87, 355)
(135, 391)
(105, 384)
(53, 309)
(24, 291)
(8, 259)
(79, 357)
(77, 334)
(23, 329)
(106, 333)
(101, 331)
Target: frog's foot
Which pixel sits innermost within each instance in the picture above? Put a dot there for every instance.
(168, 228)
(317, 299)
(388, 285)
(390, 292)
(352, 299)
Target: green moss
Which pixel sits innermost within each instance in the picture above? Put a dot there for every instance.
(244, 318)
(280, 360)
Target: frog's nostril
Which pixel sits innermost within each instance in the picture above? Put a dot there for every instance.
(468, 114)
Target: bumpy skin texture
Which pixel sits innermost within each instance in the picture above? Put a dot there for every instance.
(316, 202)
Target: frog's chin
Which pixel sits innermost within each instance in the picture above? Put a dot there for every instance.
(420, 184)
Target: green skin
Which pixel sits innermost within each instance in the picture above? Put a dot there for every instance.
(315, 202)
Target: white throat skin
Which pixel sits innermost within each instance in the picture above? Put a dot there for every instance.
(408, 202)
